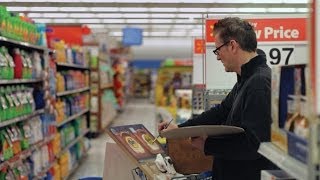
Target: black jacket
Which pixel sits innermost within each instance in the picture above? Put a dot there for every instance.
(248, 105)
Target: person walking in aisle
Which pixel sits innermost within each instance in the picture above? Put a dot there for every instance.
(246, 106)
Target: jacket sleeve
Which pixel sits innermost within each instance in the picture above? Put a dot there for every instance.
(256, 122)
(214, 116)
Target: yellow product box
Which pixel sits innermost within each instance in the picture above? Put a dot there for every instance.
(279, 138)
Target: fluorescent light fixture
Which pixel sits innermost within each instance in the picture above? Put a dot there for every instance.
(89, 21)
(163, 9)
(215, 10)
(116, 33)
(200, 10)
(187, 21)
(72, 9)
(43, 20)
(281, 10)
(189, 15)
(178, 33)
(133, 9)
(82, 15)
(135, 15)
(104, 9)
(183, 26)
(198, 26)
(252, 10)
(302, 10)
(113, 15)
(34, 15)
(46, 9)
(163, 15)
(262, 1)
(195, 33)
(117, 21)
(55, 15)
(137, 20)
(13, 9)
(96, 26)
(144, 33)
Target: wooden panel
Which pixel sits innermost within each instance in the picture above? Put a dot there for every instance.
(187, 159)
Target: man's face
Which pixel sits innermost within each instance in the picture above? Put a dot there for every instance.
(224, 54)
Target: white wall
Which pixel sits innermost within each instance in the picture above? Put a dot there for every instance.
(162, 48)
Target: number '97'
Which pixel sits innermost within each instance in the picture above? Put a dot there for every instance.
(275, 55)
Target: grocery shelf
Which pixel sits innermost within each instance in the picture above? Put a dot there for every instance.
(106, 86)
(72, 117)
(22, 44)
(75, 66)
(21, 118)
(19, 81)
(25, 153)
(285, 162)
(64, 93)
(73, 142)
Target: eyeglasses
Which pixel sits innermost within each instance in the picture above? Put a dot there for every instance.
(216, 51)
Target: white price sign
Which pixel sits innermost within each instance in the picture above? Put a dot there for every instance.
(285, 54)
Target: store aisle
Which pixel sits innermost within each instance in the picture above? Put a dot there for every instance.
(136, 111)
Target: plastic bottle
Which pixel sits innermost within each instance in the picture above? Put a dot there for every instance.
(4, 105)
(11, 107)
(6, 74)
(3, 65)
(19, 64)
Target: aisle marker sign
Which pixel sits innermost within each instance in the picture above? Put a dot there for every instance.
(270, 30)
(199, 46)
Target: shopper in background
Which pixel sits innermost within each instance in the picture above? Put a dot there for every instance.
(246, 106)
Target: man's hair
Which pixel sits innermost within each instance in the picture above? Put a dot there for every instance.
(234, 28)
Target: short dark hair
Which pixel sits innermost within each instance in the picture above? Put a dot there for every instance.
(238, 29)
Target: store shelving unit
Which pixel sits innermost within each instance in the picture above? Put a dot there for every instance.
(17, 159)
(284, 161)
(102, 111)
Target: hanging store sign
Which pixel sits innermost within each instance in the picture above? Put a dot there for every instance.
(199, 46)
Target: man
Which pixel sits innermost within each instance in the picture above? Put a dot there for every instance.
(246, 106)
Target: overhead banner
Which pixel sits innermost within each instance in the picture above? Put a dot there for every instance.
(276, 29)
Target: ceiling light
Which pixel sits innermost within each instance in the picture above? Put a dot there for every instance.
(116, 33)
(55, 15)
(159, 33)
(161, 21)
(34, 15)
(200, 10)
(215, 10)
(82, 15)
(163, 15)
(97, 26)
(161, 26)
(133, 9)
(13, 9)
(302, 10)
(72, 9)
(281, 10)
(64, 20)
(163, 9)
(104, 9)
(113, 15)
(189, 15)
(45, 9)
(178, 33)
(251, 10)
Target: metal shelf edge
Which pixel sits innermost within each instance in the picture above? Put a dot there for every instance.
(285, 162)
(73, 66)
(73, 91)
(21, 118)
(21, 43)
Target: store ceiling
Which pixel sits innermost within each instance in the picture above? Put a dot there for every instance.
(164, 18)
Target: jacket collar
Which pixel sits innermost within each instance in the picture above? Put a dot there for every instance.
(250, 67)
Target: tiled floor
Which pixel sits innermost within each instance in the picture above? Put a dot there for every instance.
(137, 111)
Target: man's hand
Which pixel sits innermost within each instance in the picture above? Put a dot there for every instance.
(163, 126)
(198, 142)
